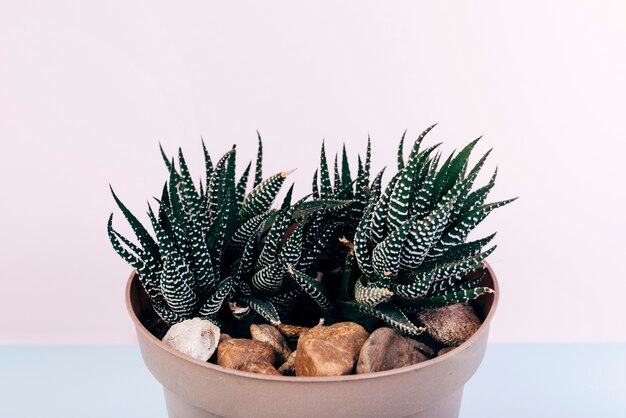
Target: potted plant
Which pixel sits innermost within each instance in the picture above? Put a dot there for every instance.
(355, 277)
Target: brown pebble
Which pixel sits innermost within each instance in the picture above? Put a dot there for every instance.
(260, 368)
(329, 351)
(273, 337)
(421, 347)
(235, 353)
(386, 349)
(224, 337)
(292, 332)
(288, 368)
(450, 325)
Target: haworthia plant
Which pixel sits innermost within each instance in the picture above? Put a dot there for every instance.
(221, 252)
(409, 248)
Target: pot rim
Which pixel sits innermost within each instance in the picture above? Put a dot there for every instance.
(318, 379)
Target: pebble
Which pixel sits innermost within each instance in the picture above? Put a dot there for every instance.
(421, 347)
(450, 325)
(386, 349)
(235, 353)
(260, 368)
(329, 350)
(288, 368)
(197, 338)
(270, 335)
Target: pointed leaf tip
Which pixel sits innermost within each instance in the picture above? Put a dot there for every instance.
(284, 174)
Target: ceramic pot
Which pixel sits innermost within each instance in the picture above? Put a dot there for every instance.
(195, 389)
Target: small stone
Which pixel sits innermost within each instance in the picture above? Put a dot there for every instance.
(420, 346)
(273, 337)
(385, 349)
(445, 350)
(197, 338)
(329, 351)
(261, 368)
(235, 353)
(450, 325)
(288, 368)
(292, 332)
(224, 337)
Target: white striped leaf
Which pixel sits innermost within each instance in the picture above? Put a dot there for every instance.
(371, 294)
(215, 301)
(269, 279)
(393, 316)
(461, 296)
(177, 285)
(258, 167)
(362, 243)
(264, 308)
(312, 287)
(416, 289)
(262, 196)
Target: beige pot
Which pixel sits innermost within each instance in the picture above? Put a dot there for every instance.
(195, 389)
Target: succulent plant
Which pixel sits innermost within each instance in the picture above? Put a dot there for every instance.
(220, 252)
(349, 250)
(409, 250)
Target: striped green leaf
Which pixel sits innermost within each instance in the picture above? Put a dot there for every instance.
(215, 301)
(306, 209)
(416, 146)
(274, 238)
(379, 215)
(167, 314)
(461, 251)
(403, 192)
(148, 275)
(242, 184)
(336, 175)
(187, 187)
(477, 198)
(416, 289)
(208, 164)
(314, 186)
(458, 231)
(287, 199)
(292, 249)
(264, 308)
(461, 296)
(214, 184)
(177, 285)
(258, 172)
(145, 239)
(313, 288)
(362, 248)
(393, 316)
(453, 272)
(376, 187)
(346, 177)
(371, 294)
(326, 188)
(262, 196)
(311, 251)
(401, 152)
(269, 279)
(249, 228)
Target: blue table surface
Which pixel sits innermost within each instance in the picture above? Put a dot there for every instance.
(514, 380)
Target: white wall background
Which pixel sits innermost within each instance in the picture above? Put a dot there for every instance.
(88, 88)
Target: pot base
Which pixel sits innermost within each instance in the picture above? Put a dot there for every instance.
(178, 407)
